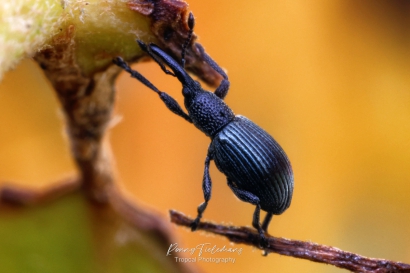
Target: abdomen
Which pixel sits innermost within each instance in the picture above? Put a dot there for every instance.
(255, 162)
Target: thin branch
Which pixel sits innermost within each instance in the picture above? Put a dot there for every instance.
(298, 249)
(10, 194)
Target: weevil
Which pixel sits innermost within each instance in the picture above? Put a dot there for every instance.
(257, 169)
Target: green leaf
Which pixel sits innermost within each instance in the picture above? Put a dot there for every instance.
(73, 235)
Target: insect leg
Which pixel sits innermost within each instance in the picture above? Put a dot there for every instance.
(266, 222)
(170, 103)
(223, 88)
(248, 197)
(206, 188)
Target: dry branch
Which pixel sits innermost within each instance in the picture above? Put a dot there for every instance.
(298, 249)
(10, 194)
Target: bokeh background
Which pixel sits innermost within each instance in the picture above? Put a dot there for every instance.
(330, 80)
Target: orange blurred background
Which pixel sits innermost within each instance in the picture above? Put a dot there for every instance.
(330, 80)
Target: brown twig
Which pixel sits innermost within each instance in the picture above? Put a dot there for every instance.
(298, 249)
(10, 194)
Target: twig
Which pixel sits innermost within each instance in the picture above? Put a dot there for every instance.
(298, 249)
(23, 196)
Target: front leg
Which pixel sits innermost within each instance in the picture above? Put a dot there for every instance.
(173, 106)
(223, 88)
(206, 188)
(169, 102)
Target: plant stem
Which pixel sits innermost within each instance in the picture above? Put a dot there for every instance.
(298, 249)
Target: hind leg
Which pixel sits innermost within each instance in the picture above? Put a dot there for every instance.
(248, 197)
(266, 222)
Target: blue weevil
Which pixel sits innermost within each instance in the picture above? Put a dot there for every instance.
(257, 169)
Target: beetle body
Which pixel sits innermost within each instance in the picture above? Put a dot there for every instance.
(255, 162)
(257, 169)
(242, 150)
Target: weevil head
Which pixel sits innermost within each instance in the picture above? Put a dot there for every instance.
(208, 112)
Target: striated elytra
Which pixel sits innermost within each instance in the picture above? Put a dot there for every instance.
(257, 169)
(254, 162)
